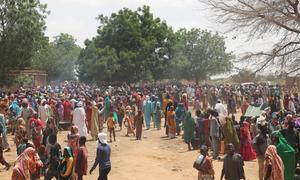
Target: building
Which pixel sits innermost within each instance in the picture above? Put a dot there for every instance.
(33, 78)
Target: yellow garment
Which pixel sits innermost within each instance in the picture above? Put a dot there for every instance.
(69, 168)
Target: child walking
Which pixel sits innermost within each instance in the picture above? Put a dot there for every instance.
(111, 124)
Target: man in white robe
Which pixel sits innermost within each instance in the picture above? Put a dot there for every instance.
(79, 119)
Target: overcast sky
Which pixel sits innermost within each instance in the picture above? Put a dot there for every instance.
(78, 18)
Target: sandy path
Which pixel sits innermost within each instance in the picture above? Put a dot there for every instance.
(155, 157)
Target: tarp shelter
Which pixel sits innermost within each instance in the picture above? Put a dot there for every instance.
(253, 111)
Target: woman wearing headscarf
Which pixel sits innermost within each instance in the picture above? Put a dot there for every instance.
(107, 104)
(189, 129)
(94, 121)
(26, 114)
(274, 168)
(15, 111)
(89, 112)
(26, 164)
(230, 134)
(3, 131)
(246, 150)
(171, 122)
(73, 141)
(147, 111)
(157, 113)
(287, 154)
(179, 116)
(20, 132)
(66, 167)
(128, 122)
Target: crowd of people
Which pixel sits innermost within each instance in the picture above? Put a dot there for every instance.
(197, 113)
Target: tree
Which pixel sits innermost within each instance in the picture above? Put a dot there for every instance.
(97, 64)
(137, 45)
(205, 53)
(58, 59)
(260, 18)
(22, 26)
(244, 75)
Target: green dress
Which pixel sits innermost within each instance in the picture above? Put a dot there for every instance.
(287, 154)
(231, 135)
(189, 128)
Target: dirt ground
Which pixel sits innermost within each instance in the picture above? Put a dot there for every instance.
(153, 158)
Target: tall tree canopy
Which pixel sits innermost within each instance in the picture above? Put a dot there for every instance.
(59, 58)
(130, 46)
(201, 54)
(22, 26)
(260, 18)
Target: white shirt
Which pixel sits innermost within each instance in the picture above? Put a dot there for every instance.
(79, 118)
(221, 109)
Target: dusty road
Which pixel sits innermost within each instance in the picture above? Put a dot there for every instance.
(152, 158)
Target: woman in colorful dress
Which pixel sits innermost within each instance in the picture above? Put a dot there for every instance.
(73, 141)
(128, 122)
(26, 164)
(171, 122)
(66, 168)
(230, 134)
(20, 132)
(246, 149)
(274, 168)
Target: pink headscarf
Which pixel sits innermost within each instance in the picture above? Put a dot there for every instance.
(27, 162)
(272, 158)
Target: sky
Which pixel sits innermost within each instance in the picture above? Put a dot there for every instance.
(78, 18)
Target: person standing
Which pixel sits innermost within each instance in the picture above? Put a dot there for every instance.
(246, 149)
(79, 119)
(274, 168)
(73, 141)
(189, 130)
(2, 159)
(43, 111)
(5, 144)
(287, 154)
(147, 111)
(179, 117)
(111, 126)
(260, 143)
(102, 157)
(157, 113)
(215, 133)
(199, 129)
(139, 121)
(220, 108)
(26, 114)
(128, 122)
(53, 150)
(245, 106)
(233, 165)
(82, 159)
(94, 121)
(171, 122)
(66, 167)
(204, 165)
(230, 134)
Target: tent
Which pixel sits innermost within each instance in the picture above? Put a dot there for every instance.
(253, 111)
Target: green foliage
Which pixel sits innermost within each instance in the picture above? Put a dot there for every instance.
(22, 26)
(201, 54)
(137, 44)
(58, 59)
(244, 75)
